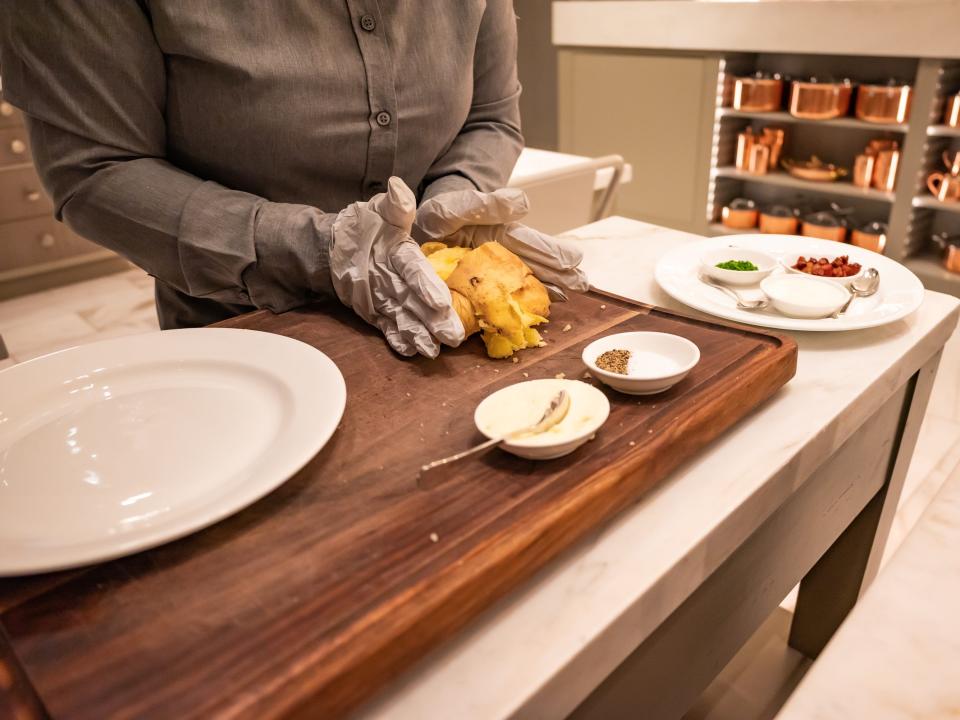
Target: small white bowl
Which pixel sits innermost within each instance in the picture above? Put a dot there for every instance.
(658, 361)
(765, 264)
(845, 281)
(804, 296)
(523, 404)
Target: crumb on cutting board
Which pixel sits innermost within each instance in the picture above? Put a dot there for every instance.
(434, 537)
(560, 376)
(567, 328)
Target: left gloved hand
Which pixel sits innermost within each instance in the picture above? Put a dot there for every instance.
(469, 218)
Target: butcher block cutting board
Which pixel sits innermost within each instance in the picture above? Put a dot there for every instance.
(314, 598)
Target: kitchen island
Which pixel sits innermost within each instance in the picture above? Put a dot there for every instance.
(664, 596)
(666, 592)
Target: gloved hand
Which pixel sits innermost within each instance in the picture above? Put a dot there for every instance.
(379, 271)
(469, 218)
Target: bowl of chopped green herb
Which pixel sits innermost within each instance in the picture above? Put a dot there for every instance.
(737, 266)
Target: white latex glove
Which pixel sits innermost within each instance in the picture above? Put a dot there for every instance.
(469, 218)
(379, 271)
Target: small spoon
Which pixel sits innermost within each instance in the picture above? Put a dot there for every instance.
(863, 286)
(555, 412)
(741, 303)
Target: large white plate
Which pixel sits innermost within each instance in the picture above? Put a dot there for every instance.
(121, 445)
(900, 293)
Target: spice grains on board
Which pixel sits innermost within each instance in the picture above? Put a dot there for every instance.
(614, 361)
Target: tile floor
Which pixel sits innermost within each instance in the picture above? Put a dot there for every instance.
(754, 684)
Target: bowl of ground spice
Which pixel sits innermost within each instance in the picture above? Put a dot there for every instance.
(640, 363)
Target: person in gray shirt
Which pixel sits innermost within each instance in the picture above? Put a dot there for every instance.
(251, 154)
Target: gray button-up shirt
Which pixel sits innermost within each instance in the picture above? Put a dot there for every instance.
(213, 142)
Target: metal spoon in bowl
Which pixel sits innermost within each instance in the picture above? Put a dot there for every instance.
(741, 303)
(555, 412)
(863, 286)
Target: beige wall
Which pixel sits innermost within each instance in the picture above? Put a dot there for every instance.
(537, 65)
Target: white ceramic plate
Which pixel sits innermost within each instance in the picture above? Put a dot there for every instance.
(117, 446)
(900, 293)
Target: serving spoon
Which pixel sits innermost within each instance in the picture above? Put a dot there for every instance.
(556, 411)
(863, 286)
(741, 303)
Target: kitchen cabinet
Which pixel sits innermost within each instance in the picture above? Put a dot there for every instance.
(37, 251)
(654, 110)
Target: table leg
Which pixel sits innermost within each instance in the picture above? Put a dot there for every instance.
(831, 588)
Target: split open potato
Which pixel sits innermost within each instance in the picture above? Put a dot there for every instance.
(494, 292)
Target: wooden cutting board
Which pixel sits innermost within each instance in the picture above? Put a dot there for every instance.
(308, 602)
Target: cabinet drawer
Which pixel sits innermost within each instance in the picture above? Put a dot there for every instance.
(9, 115)
(21, 194)
(25, 243)
(14, 148)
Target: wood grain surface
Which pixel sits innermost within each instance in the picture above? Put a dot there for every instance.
(312, 599)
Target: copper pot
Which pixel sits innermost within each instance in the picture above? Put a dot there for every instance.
(814, 100)
(757, 93)
(951, 114)
(863, 170)
(773, 137)
(885, 170)
(740, 214)
(745, 141)
(952, 162)
(779, 220)
(872, 236)
(888, 103)
(824, 225)
(759, 161)
(950, 245)
(945, 188)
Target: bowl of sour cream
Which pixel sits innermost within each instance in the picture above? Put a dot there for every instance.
(804, 296)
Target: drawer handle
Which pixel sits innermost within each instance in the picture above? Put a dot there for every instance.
(6, 109)
(32, 195)
(47, 240)
(18, 147)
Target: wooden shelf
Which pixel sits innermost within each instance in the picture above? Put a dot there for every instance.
(943, 131)
(930, 270)
(929, 201)
(841, 122)
(782, 179)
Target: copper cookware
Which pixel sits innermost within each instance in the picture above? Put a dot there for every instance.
(779, 220)
(950, 245)
(889, 103)
(885, 170)
(863, 170)
(824, 225)
(872, 236)
(815, 100)
(757, 93)
(945, 188)
(745, 141)
(773, 137)
(952, 162)
(741, 214)
(813, 169)
(951, 114)
(759, 161)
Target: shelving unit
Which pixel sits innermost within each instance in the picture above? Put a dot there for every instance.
(839, 188)
(931, 203)
(778, 118)
(910, 212)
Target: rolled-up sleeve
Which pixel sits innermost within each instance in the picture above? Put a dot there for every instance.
(487, 147)
(90, 79)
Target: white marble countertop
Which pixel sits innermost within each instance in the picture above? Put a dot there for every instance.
(541, 650)
(533, 162)
(897, 655)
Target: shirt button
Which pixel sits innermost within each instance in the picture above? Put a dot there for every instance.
(383, 118)
(368, 23)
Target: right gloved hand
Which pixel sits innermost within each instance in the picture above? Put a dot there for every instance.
(379, 271)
